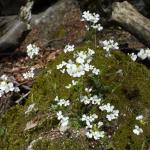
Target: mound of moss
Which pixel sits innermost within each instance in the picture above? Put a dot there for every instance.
(123, 83)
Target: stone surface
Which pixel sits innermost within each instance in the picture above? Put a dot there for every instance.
(12, 32)
(59, 24)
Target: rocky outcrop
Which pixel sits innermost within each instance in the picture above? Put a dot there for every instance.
(58, 24)
(13, 33)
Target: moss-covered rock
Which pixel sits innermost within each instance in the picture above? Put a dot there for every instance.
(123, 83)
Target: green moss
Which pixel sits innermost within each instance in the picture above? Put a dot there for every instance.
(122, 82)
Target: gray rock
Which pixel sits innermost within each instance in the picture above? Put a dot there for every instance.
(12, 31)
(60, 21)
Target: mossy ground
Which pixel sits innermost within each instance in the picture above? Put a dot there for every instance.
(123, 83)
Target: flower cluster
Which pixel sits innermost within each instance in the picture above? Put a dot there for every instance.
(137, 130)
(62, 102)
(7, 86)
(80, 66)
(91, 132)
(64, 121)
(89, 119)
(32, 50)
(29, 74)
(112, 114)
(69, 48)
(133, 56)
(95, 134)
(142, 54)
(94, 100)
(93, 18)
(109, 45)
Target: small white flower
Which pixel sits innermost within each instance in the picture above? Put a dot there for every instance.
(89, 135)
(140, 117)
(100, 124)
(97, 26)
(88, 90)
(89, 119)
(64, 121)
(142, 54)
(62, 102)
(4, 77)
(133, 56)
(98, 134)
(32, 50)
(29, 74)
(90, 17)
(6, 87)
(137, 130)
(95, 71)
(85, 100)
(59, 115)
(107, 107)
(69, 48)
(110, 45)
(95, 134)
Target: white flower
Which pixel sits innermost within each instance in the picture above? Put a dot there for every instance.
(32, 50)
(98, 134)
(97, 26)
(6, 87)
(107, 107)
(90, 17)
(60, 66)
(95, 71)
(112, 114)
(100, 124)
(144, 53)
(88, 90)
(59, 115)
(64, 121)
(89, 135)
(95, 100)
(133, 56)
(16, 89)
(29, 74)
(89, 119)
(147, 50)
(137, 130)
(110, 44)
(62, 102)
(80, 66)
(4, 77)
(85, 100)
(140, 117)
(69, 48)
(95, 134)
